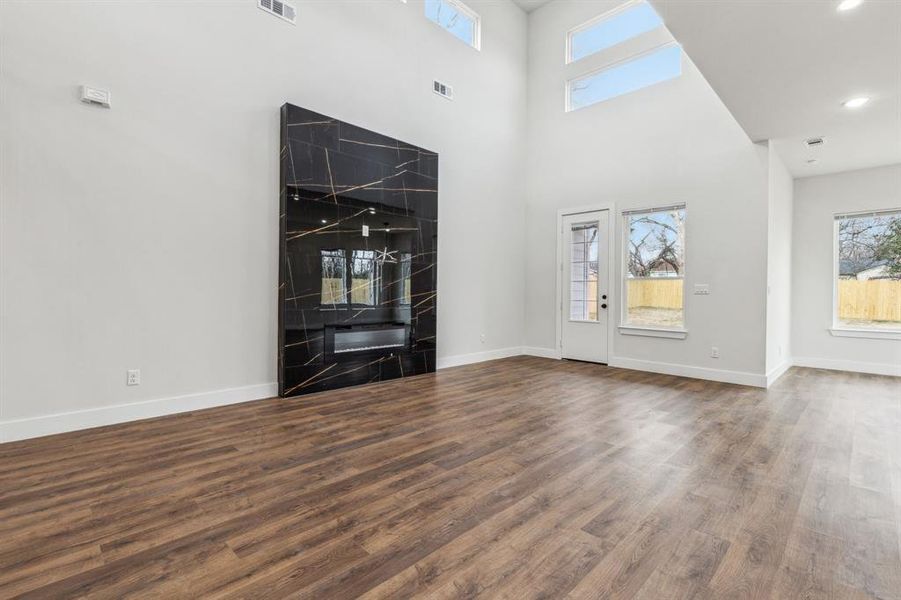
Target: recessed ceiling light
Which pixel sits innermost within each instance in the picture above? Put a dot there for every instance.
(849, 4)
(855, 102)
(323, 221)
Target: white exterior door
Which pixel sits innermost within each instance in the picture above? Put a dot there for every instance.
(585, 263)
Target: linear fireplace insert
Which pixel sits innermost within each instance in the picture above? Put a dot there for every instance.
(377, 337)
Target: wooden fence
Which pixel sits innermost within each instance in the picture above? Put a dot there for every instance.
(872, 300)
(333, 291)
(655, 293)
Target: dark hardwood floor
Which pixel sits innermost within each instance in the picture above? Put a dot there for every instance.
(518, 478)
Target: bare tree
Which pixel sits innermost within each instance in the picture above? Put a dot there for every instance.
(863, 241)
(661, 245)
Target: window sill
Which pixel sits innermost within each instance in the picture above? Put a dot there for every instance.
(673, 334)
(875, 334)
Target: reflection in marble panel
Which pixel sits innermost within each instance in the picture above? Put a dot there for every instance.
(358, 255)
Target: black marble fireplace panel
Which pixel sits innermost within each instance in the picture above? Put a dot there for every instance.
(358, 255)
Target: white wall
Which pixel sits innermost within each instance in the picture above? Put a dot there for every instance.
(817, 200)
(779, 263)
(145, 236)
(672, 142)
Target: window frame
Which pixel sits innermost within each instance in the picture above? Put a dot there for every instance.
(605, 16)
(837, 329)
(625, 328)
(462, 8)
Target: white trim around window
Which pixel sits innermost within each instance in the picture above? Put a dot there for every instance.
(625, 328)
(873, 334)
(839, 329)
(468, 13)
(672, 334)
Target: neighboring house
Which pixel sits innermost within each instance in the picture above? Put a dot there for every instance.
(662, 268)
(863, 271)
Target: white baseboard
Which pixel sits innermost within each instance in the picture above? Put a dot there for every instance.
(848, 365)
(541, 352)
(737, 377)
(32, 427)
(777, 372)
(476, 357)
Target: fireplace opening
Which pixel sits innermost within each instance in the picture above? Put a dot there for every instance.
(381, 337)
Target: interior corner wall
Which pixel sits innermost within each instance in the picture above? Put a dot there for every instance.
(145, 236)
(779, 265)
(817, 201)
(671, 142)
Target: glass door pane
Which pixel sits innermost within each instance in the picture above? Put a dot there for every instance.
(583, 298)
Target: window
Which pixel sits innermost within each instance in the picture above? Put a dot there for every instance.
(868, 269)
(406, 264)
(457, 18)
(610, 29)
(583, 297)
(333, 277)
(364, 278)
(656, 66)
(655, 268)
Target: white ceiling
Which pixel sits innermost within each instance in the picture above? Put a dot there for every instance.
(530, 5)
(783, 67)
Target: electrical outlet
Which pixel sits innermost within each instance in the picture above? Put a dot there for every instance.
(134, 377)
(482, 338)
(715, 352)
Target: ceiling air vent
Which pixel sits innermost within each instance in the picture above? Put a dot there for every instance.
(280, 9)
(815, 142)
(443, 90)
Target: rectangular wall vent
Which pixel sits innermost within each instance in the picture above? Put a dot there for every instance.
(815, 142)
(443, 90)
(280, 9)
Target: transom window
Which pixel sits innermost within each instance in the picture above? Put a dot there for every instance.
(655, 268)
(868, 271)
(655, 67)
(458, 19)
(652, 58)
(620, 24)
